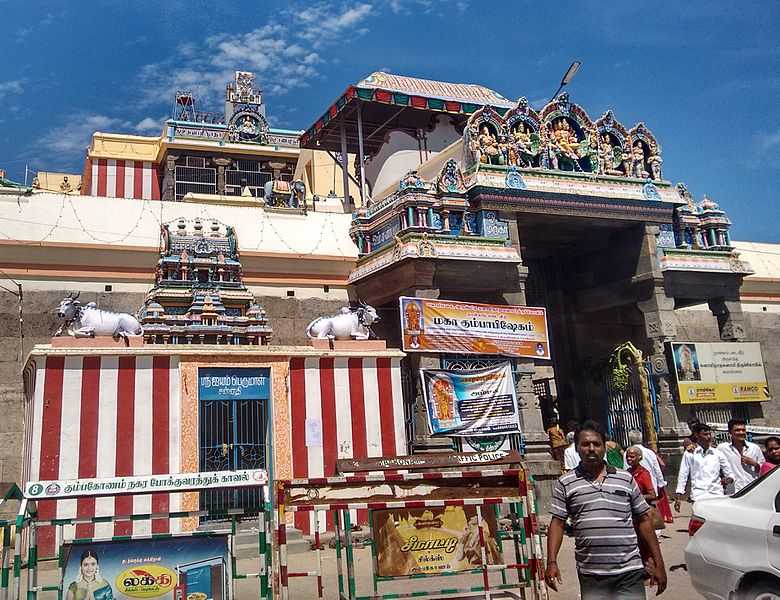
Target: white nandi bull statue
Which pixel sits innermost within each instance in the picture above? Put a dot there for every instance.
(349, 324)
(88, 321)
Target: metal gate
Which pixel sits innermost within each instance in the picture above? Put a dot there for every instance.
(233, 435)
(624, 408)
(722, 413)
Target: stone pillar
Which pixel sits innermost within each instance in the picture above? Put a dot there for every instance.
(660, 327)
(731, 321)
(169, 179)
(222, 164)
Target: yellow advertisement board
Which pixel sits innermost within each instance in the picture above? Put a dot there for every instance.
(710, 372)
(433, 540)
(470, 328)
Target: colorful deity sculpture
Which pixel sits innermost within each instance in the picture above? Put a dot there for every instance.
(523, 146)
(654, 161)
(638, 161)
(489, 149)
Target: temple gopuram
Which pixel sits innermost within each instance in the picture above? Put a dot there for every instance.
(400, 188)
(199, 296)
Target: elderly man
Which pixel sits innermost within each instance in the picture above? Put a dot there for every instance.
(603, 504)
(744, 458)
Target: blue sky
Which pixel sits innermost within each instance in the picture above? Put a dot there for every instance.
(704, 76)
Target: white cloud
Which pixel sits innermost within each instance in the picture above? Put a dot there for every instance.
(768, 141)
(283, 57)
(74, 135)
(11, 87)
(148, 125)
(442, 7)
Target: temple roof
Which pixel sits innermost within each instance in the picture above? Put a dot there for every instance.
(395, 102)
(459, 92)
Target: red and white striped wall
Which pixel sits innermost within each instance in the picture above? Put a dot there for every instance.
(357, 406)
(104, 416)
(116, 178)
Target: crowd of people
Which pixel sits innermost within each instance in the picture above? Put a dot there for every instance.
(614, 501)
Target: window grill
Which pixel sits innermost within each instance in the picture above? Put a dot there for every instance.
(198, 180)
(236, 179)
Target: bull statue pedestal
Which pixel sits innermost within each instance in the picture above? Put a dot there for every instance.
(101, 341)
(366, 345)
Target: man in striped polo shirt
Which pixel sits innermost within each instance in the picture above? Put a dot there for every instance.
(603, 504)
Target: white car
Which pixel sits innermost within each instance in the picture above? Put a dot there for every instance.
(734, 552)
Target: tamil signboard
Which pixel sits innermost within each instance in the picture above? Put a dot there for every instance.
(708, 372)
(471, 403)
(428, 461)
(191, 567)
(469, 328)
(412, 541)
(110, 486)
(219, 383)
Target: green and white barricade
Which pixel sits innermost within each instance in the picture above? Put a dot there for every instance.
(151, 564)
(467, 534)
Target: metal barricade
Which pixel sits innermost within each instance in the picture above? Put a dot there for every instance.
(495, 508)
(28, 521)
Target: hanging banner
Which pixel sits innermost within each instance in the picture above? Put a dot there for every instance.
(188, 567)
(709, 372)
(433, 540)
(468, 328)
(471, 403)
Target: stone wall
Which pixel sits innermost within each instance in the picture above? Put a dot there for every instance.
(288, 316)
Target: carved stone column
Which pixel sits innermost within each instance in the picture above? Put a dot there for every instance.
(222, 164)
(660, 327)
(169, 179)
(731, 320)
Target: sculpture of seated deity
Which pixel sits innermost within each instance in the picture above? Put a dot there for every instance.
(565, 140)
(489, 150)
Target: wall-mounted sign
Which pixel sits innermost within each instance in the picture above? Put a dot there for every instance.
(428, 461)
(196, 568)
(219, 383)
(432, 540)
(469, 328)
(471, 403)
(111, 486)
(707, 372)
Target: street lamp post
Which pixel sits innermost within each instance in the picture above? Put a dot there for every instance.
(567, 77)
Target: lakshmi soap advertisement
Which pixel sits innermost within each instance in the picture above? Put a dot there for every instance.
(719, 372)
(471, 403)
(469, 328)
(432, 540)
(186, 568)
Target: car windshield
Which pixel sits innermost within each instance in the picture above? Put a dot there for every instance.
(755, 483)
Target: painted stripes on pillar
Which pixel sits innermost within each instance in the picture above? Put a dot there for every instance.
(358, 408)
(104, 417)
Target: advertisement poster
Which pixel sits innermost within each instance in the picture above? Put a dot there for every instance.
(468, 328)
(190, 568)
(707, 372)
(432, 540)
(471, 403)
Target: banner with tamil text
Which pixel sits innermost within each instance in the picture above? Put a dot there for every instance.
(469, 328)
(471, 403)
(709, 372)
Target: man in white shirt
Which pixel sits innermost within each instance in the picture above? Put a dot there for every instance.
(744, 458)
(649, 460)
(705, 467)
(571, 458)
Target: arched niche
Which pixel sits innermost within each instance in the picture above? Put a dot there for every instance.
(646, 157)
(567, 137)
(613, 146)
(523, 135)
(485, 138)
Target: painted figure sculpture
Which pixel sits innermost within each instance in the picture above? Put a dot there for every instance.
(349, 324)
(87, 321)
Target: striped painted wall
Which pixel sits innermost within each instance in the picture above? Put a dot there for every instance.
(115, 178)
(104, 416)
(357, 403)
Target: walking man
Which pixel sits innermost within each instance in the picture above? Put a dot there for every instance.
(744, 458)
(704, 466)
(603, 503)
